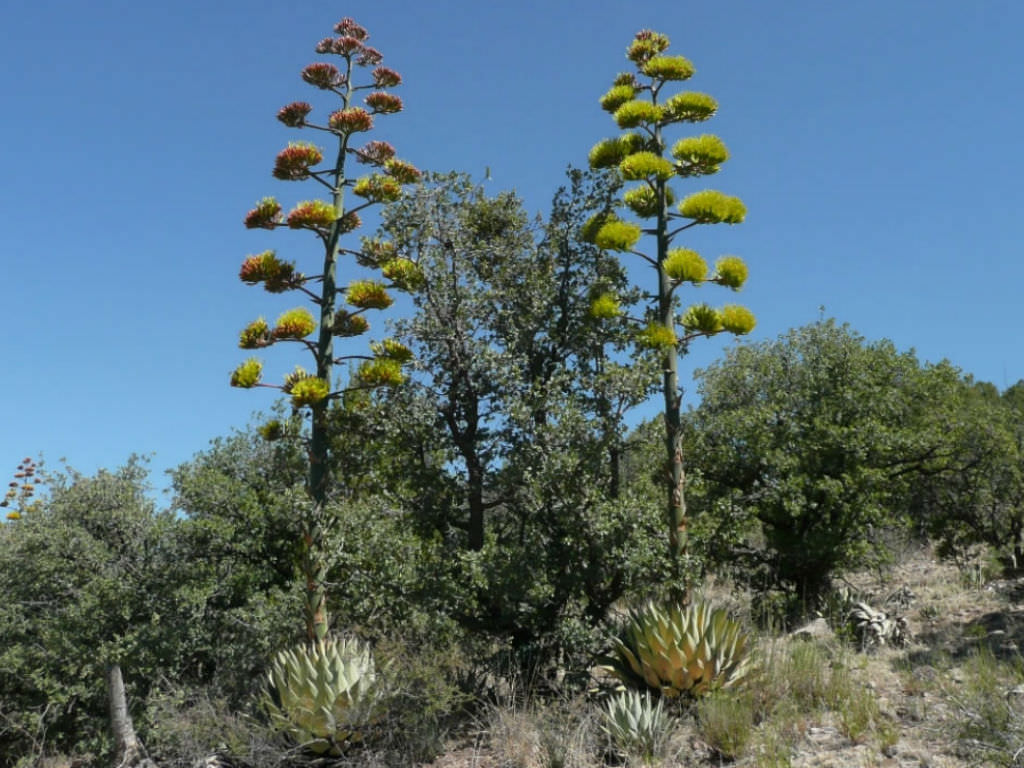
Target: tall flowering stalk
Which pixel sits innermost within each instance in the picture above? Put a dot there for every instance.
(641, 154)
(20, 490)
(382, 182)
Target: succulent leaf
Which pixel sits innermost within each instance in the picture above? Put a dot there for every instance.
(680, 652)
(324, 696)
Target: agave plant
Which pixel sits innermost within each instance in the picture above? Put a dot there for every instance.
(324, 695)
(874, 628)
(682, 651)
(636, 724)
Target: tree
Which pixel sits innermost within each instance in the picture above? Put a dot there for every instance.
(518, 427)
(637, 105)
(976, 495)
(329, 221)
(815, 439)
(90, 577)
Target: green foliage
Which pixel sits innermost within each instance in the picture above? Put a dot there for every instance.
(681, 651)
(324, 696)
(974, 492)
(94, 576)
(813, 439)
(517, 453)
(984, 709)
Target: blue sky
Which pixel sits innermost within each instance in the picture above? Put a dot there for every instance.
(876, 145)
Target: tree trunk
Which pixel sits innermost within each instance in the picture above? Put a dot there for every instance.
(130, 751)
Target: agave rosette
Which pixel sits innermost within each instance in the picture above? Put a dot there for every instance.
(680, 651)
(324, 696)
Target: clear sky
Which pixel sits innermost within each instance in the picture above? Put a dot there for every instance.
(876, 144)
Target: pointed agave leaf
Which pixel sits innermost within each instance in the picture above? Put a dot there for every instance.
(680, 651)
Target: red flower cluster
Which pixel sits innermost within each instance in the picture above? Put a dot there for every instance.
(386, 78)
(323, 75)
(349, 222)
(314, 214)
(294, 115)
(351, 120)
(348, 324)
(369, 57)
(375, 153)
(293, 163)
(277, 276)
(266, 215)
(347, 26)
(383, 103)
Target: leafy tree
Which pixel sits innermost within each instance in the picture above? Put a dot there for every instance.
(976, 495)
(814, 439)
(89, 578)
(238, 533)
(329, 221)
(639, 106)
(518, 427)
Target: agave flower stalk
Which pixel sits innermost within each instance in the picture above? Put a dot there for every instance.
(637, 104)
(330, 220)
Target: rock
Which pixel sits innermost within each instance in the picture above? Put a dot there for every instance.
(816, 630)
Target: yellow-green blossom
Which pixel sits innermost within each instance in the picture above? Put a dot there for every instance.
(685, 266)
(702, 319)
(737, 319)
(309, 391)
(248, 374)
(605, 307)
(618, 236)
(711, 207)
(731, 271)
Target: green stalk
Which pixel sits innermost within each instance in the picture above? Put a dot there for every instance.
(313, 565)
(676, 500)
